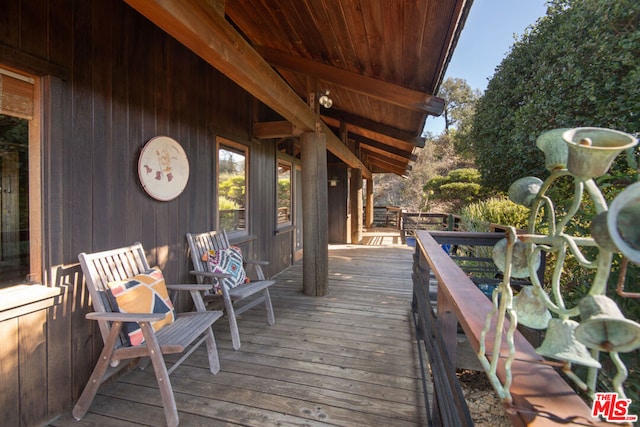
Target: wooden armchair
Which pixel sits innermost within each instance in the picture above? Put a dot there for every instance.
(187, 332)
(199, 245)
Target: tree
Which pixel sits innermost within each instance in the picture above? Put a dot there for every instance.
(459, 102)
(233, 189)
(459, 108)
(459, 187)
(577, 66)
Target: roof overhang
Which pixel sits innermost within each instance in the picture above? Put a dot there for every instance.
(273, 49)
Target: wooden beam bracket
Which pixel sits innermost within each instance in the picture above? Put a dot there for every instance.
(279, 129)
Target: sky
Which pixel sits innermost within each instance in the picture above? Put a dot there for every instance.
(486, 39)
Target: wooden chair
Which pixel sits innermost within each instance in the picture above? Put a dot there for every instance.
(184, 335)
(200, 244)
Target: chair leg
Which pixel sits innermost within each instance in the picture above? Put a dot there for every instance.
(160, 369)
(233, 324)
(143, 363)
(212, 351)
(271, 319)
(90, 390)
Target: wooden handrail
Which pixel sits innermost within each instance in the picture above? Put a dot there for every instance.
(541, 397)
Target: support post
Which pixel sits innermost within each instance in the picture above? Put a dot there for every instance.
(369, 206)
(315, 268)
(356, 206)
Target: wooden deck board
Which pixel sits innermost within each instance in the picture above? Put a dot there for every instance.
(347, 359)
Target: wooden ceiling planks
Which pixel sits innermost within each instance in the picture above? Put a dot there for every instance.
(371, 87)
(349, 46)
(206, 33)
(381, 61)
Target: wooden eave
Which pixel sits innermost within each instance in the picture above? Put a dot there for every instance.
(362, 126)
(374, 88)
(396, 153)
(203, 30)
(380, 164)
(382, 63)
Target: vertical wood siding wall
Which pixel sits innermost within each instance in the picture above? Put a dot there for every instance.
(124, 81)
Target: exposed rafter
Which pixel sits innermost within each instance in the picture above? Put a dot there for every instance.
(383, 153)
(371, 129)
(280, 129)
(386, 166)
(201, 28)
(379, 89)
(372, 146)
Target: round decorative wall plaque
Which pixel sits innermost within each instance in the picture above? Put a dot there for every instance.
(163, 168)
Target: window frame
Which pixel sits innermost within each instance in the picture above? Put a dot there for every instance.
(288, 164)
(225, 143)
(35, 275)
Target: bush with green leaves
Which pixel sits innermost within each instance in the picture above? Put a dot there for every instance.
(495, 210)
(460, 186)
(465, 175)
(233, 188)
(463, 191)
(577, 66)
(227, 213)
(434, 184)
(225, 204)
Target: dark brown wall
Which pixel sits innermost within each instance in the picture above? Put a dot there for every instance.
(112, 81)
(338, 209)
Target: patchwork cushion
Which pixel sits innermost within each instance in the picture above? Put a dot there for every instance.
(143, 293)
(227, 261)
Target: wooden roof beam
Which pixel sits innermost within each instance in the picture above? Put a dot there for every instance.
(366, 142)
(366, 127)
(200, 27)
(279, 129)
(389, 164)
(383, 152)
(379, 146)
(379, 89)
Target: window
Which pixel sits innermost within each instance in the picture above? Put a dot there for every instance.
(19, 181)
(232, 187)
(297, 190)
(284, 194)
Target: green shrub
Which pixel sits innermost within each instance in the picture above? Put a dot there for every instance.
(234, 188)
(495, 210)
(465, 175)
(459, 186)
(435, 183)
(225, 204)
(465, 191)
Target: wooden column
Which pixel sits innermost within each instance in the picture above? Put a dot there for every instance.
(314, 214)
(369, 206)
(356, 206)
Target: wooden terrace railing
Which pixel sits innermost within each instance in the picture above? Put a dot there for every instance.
(541, 397)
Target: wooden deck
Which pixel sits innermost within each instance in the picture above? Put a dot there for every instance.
(347, 359)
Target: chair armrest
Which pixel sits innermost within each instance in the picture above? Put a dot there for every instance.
(256, 261)
(126, 317)
(189, 287)
(257, 266)
(210, 274)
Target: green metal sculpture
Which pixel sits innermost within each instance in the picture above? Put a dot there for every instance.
(576, 334)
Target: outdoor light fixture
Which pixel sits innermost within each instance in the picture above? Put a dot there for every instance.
(333, 181)
(324, 99)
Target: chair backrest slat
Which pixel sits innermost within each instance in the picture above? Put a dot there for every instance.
(100, 268)
(200, 243)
